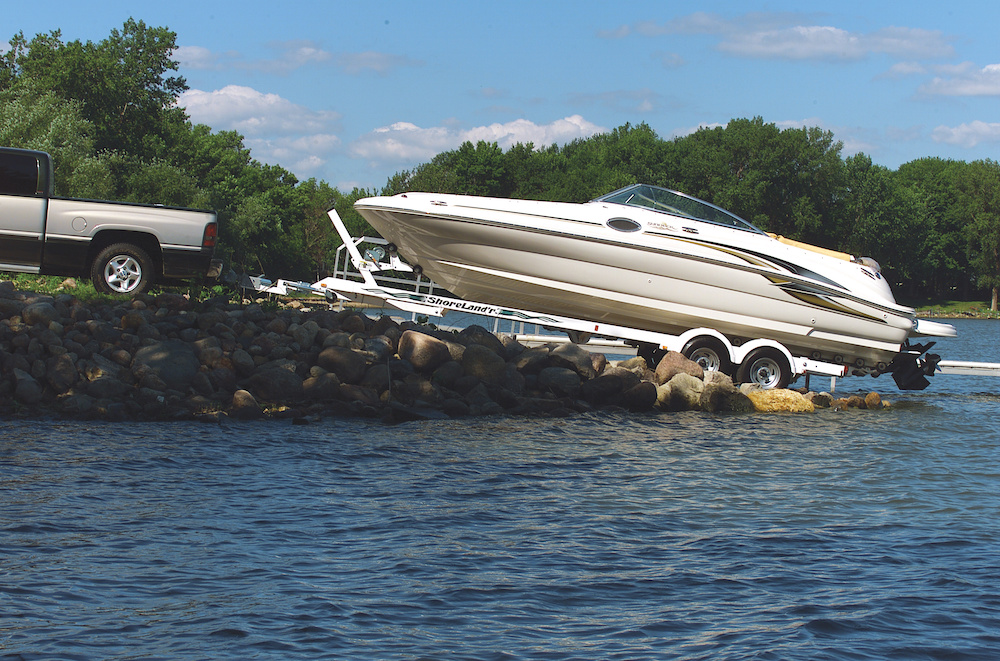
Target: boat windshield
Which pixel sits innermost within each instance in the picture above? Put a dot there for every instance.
(676, 204)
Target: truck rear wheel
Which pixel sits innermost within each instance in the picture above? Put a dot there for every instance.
(122, 268)
(765, 367)
(710, 353)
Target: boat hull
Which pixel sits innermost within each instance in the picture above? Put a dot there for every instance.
(541, 257)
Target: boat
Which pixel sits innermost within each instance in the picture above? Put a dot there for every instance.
(655, 259)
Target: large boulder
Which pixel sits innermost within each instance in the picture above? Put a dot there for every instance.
(674, 363)
(780, 401)
(347, 364)
(561, 381)
(574, 357)
(483, 363)
(424, 352)
(173, 361)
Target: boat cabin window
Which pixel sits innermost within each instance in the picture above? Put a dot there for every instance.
(676, 204)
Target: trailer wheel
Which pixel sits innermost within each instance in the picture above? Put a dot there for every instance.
(709, 353)
(121, 268)
(765, 367)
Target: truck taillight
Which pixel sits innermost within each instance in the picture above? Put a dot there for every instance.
(211, 233)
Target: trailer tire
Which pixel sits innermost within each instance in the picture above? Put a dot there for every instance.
(710, 353)
(122, 268)
(767, 368)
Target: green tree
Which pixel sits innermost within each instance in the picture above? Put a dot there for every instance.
(983, 230)
(120, 82)
(883, 219)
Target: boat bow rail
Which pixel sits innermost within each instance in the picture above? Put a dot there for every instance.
(760, 360)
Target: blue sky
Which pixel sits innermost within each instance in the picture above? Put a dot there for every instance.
(353, 92)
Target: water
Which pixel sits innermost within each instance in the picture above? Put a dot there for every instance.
(856, 534)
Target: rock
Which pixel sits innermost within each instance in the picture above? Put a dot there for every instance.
(26, 389)
(61, 373)
(640, 397)
(720, 394)
(684, 392)
(675, 363)
(780, 401)
(533, 360)
(39, 313)
(820, 400)
(574, 357)
(305, 334)
(276, 384)
(873, 401)
(448, 374)
(173, 361)
(245, 407)
(561, 381)
(323, 387)
(380, 347)
(604, 389)
(107, 387)
(348, 365)
(483, 363)
(478, 335)
(424, 352)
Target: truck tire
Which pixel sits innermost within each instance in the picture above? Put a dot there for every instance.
(710, 353)
(122, 268)
(767, 368)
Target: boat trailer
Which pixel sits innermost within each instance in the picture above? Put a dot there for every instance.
(761, 361)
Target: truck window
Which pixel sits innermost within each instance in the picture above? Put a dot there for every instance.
(18, 174)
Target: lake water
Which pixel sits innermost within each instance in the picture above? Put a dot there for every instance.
(859, 535)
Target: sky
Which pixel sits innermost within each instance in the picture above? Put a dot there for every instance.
(354, 92)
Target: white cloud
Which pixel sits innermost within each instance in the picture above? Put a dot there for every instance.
(380, 63)
(254, 113)
(404, 142)
(290, 56)
(822, 42)
(965, 81)
(967, 135)
(795, 37)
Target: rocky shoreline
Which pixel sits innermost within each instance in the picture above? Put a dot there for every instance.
(166, 357)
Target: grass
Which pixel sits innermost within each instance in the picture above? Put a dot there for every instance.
(83, 289)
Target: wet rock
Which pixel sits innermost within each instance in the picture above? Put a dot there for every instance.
(640, 397)
(780, 401)
(448, 374)
(321, 387)
(684, 393)
(605, 389)
(245, 407)
(873, 401)
(820, 400)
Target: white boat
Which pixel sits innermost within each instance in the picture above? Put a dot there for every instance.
(650, 258)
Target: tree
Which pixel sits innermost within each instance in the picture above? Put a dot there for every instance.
(983, 231)
(883, 219)
(121, 82)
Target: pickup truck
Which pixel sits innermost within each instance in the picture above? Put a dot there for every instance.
(122, 247)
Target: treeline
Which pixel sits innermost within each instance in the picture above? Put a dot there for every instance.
(107, 112)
